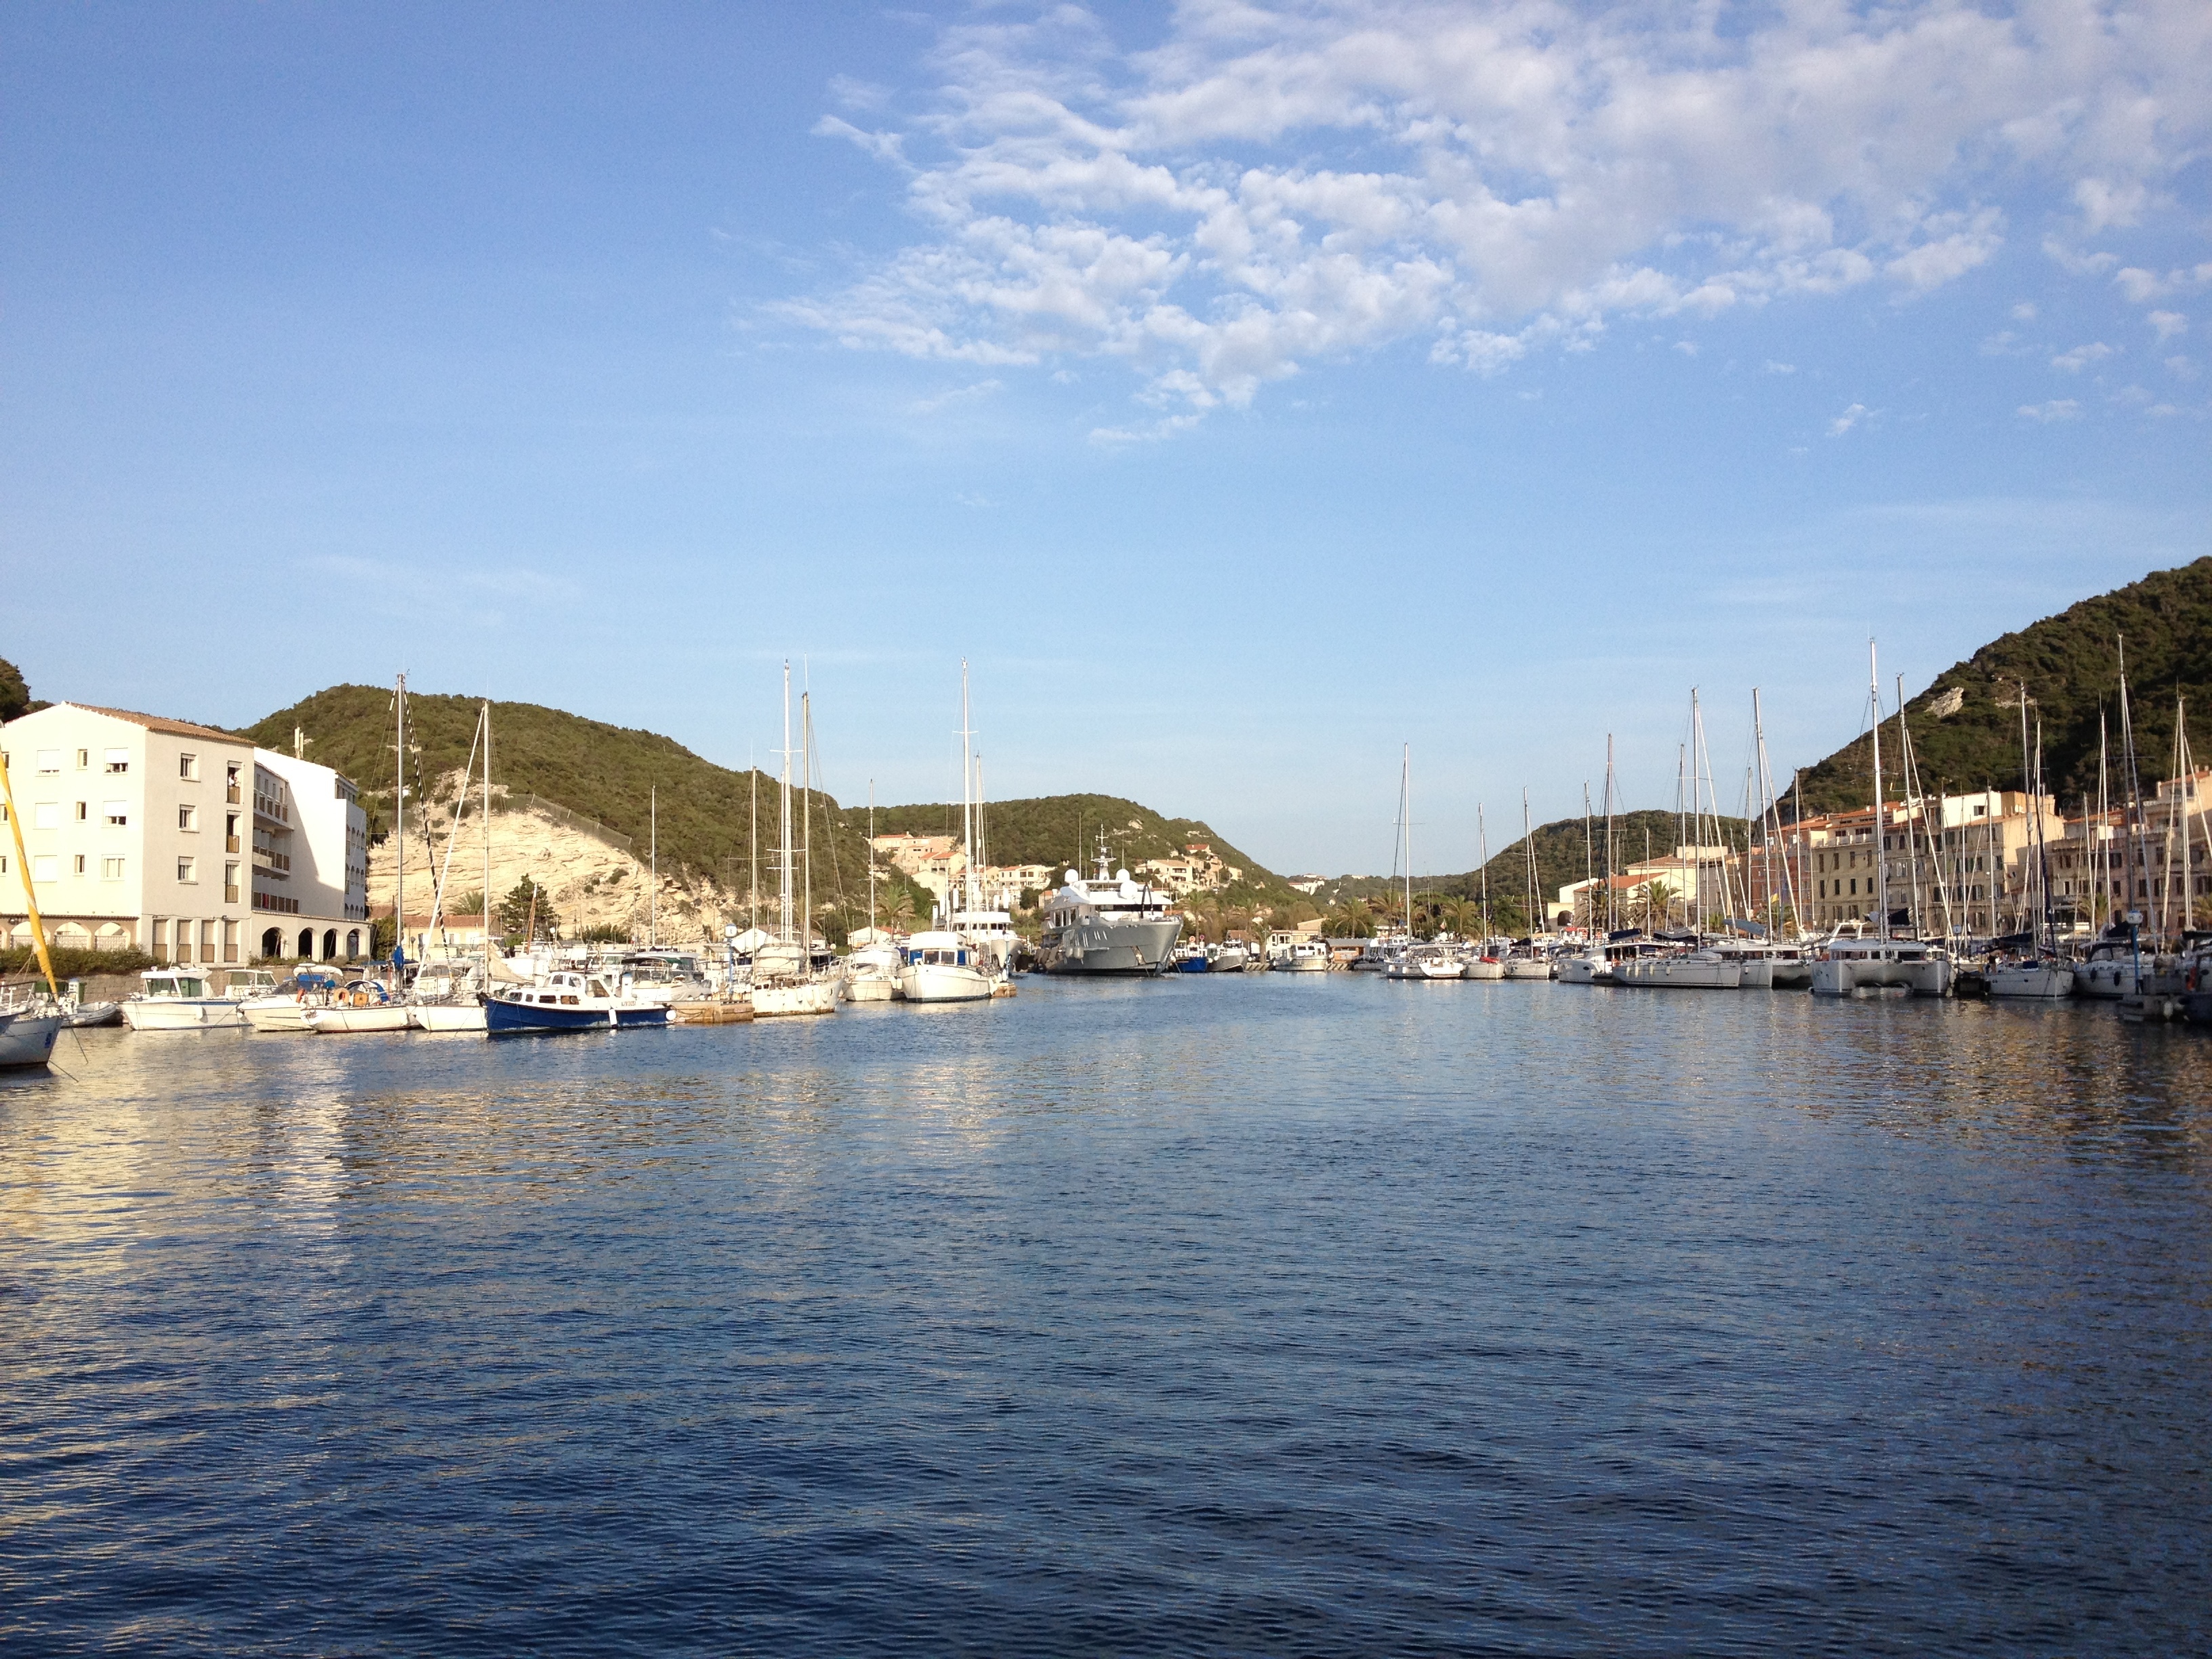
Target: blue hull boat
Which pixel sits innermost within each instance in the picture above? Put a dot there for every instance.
(567, 1002)
(1193, 965)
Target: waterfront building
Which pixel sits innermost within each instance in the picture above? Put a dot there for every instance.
(186, 843)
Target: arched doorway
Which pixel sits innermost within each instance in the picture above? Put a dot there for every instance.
(330, 945)
(272, 942)
(307, 944)
(352, 944)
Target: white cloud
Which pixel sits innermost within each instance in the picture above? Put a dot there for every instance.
(1773, 367)
(2024, 311)
(2004, 344)
(1849, 418)
(2168, 324)
(2181, 368)
(1276, 182)
(2082, 356)
(943, 400)
(2058, 409)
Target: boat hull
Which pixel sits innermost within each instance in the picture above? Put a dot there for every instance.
(287, 1015)
(1848, 976)
(2032, 982)
(1583, 970)
(807, 997)
(347, 1022)
(28, 1039)
(870, 987)
(932, 981)
(450, 1017)
(1682, 974)
(502, 1017)
(1521, 968)
(2106, 981)
(1119, 947)
(1483, 968)
(193, 1014)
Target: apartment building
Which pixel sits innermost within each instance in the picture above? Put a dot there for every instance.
(1198, 870)
(157, 835)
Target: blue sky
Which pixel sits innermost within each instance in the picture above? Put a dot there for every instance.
(1244, 389)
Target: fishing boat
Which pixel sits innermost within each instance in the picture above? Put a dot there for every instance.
(177, 1000)
(1191, 957)
(1303, 956)
(936, 966)
(569, 1002)
(1231, 958)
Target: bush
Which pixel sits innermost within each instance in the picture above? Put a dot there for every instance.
(602, 933)
(75, 964)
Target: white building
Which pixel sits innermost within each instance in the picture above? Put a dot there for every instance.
(181, 841)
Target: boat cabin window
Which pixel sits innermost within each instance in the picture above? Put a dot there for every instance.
(597, 988)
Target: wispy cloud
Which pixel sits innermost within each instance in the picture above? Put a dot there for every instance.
(2082, 356)
(2058, 409)
(1849, 418)
(2168, 324)
(1272, 185)
(960, 394)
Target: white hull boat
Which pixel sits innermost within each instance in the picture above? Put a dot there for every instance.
(1584, 971)
(1527, 967)
(1482, 968)
(388, 1017)
(818, 996)
(276, 1013)
(1306, 956)
(938, 967)
(1852, 966)
(2038, 981)
(2107, 978)
(178, 1001)
(870, 987)
(448, 1015)
(1692, 970)
(27, 1038)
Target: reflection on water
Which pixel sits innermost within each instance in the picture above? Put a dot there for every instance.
(1262, 1314)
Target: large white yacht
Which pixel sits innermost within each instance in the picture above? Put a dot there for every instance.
(1108, 925)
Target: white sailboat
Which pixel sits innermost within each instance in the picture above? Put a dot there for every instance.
(784, 980)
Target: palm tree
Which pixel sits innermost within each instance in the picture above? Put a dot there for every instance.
(1657, 897)
(1350, 921)
(1459, 916)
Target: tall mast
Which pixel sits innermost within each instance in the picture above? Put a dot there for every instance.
(399, 818)
(1482, 853)
(2139, 860)
(1406, 826)
(806, 821)
(2043, 846)
(2104, 824)
(1589, 860)
(783, 894)
(487, 841)
(1881, 824)
(652, 898)
(752, 844)
(2027, 781)
(1611, 921)
(1528, 848)
(967, 795)
(871, 860)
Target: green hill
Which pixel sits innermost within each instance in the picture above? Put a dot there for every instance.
(607, 773)
(1063, 831)
(1561, 860)
(1965, 726)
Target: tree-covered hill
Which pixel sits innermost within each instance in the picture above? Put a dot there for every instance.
(1063, 831)
(1560, 861)
(1965, 727)
(607, 772)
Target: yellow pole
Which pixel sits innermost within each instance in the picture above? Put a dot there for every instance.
(23, 865)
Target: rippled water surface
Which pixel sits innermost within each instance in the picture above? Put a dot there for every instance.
(1267, 1313)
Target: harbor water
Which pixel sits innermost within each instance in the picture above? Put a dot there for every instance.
(1264, 1314)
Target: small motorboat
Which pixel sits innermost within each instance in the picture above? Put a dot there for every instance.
(567, 1001)
(362, 1005)
(179, 999)
(287, 1007)
(871, 974)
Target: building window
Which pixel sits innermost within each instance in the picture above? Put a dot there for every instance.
(186, 869)
(117, 812)
(45, 866)
(83, 759)
(119, 760)
(160, 937)
(230, 884)
(50, 760)
(46, 815)
(188, 767)
(188, 817)
(111, 869)
(83, 810)
(79, 869)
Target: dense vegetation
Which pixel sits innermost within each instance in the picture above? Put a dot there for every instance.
(22, 962)
(1063, 831)
(1965, 727)
(15, 695)
(601, 772)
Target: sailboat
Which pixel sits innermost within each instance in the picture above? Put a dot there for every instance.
(985, 930)
(1414, 961)
(784, 980)
(2039, 977)
(1484, 963)
(447, 1001)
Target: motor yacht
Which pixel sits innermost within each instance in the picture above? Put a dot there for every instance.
(938, 967)
(179, 999)
(569, 1002)
(1848, 964)
(1108, 925)
(286, 1007)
